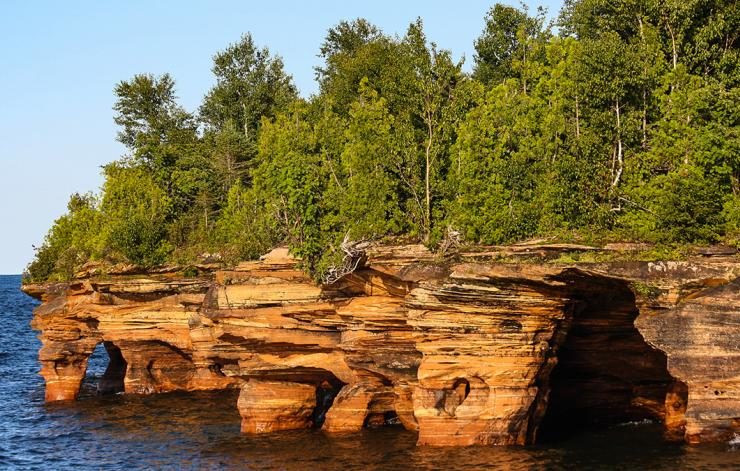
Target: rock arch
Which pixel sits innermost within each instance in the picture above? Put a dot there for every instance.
(290, 399)
(113, 379)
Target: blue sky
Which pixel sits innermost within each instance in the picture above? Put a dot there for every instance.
(59, 62)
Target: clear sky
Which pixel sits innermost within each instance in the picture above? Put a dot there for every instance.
(59, 62)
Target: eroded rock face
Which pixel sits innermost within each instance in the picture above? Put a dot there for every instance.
(465, 352)
(271, 406)
(487, 342)
(701, 338)
(606, 373)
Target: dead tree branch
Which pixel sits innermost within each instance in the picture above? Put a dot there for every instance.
(354, 256)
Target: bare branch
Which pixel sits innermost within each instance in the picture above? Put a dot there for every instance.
(354, 255)
(451, 242)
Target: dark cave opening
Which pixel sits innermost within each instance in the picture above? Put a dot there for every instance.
(449, 400)
(382, 419)
(326, 392)
(106, 370)
(113, 378)
(326, 383)
(606, 373)
(462, 389)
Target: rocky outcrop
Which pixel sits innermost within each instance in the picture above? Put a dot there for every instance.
(271, 406)
(464, 350)
(701, 339)
(144, 325)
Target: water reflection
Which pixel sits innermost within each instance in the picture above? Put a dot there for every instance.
(201, 430)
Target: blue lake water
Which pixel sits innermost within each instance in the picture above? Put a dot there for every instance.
(201, 431)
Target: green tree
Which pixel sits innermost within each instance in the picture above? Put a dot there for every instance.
(245, 230)
(250, 84)
(435, 106)
(368, 203)
(162, 137)
(497, 168)
(229, 156)
(153, 126)
(73, 239)
(346, 38)
(357, 50)
(506, 46)
(290, 180)
(135, 210)
(682, 206)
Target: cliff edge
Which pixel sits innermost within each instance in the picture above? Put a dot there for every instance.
(465, 350)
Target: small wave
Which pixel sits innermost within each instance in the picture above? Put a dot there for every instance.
(634, 423)
(734, 441)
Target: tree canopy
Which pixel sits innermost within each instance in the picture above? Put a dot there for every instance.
(619, 122)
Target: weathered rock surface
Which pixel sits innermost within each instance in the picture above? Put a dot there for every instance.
(271, 406)
(701, 339)
(464, 351)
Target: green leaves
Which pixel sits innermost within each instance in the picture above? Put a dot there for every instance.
(496, 169)
(290, 179)
(682, 206)
(510, 43)
(369, 203)
(152, 123)
(73, 239)
(245, 229)
(250, 84)
(135, 210)
(627, 125)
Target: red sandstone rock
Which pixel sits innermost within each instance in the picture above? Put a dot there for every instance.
(465, 352)
(271, 406)
(701, 338)
(357, 404)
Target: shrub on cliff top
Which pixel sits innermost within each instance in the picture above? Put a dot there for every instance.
(135, 210)
(73, 239)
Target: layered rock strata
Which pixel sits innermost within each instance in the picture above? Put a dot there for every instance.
(701, 338)
(464, 350)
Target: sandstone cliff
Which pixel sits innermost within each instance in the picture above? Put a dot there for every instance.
(465, 351)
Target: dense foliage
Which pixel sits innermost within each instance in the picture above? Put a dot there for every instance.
(621, 123)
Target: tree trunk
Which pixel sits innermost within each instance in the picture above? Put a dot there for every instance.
(674, 53)
(620, 157)
(644, 89)
(246, 121)
(673, 45)
(578, 119)
(644, 118)
(524, 69)
(229, 170)
(427, 184)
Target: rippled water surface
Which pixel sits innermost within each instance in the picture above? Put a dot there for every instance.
(201, 431)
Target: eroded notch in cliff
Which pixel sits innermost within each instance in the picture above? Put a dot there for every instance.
(290, 399)
(606, 373)
(108, 360)
(326, 392)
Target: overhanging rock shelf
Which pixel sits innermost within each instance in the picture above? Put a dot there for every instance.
(464, 351)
